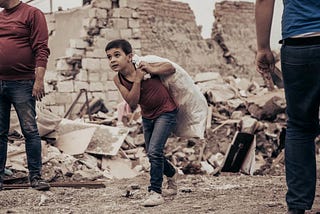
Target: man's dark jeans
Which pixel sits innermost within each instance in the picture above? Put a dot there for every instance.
(301, 74)
(156, 133)
(19, 94)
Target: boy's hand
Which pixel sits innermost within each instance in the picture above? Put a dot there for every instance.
(145, 67)
(139, 75)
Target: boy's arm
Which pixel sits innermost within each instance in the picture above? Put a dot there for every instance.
(132, 97)
(157, 68)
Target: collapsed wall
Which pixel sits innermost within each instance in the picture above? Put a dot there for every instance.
(165, 28)
(78, 37)
(168, 29)
(234, 31)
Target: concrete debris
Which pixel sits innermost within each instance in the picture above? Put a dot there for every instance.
(75, 142)
(89, 150)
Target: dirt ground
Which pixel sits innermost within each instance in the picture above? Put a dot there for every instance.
(223, 194)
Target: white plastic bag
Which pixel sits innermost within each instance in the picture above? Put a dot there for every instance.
(193, 106)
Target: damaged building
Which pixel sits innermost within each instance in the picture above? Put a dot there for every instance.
(79, 87)
(165, 28)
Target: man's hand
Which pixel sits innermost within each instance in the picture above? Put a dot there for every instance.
(38, 87)
(265, 65)
(265, 62)
(38, 90)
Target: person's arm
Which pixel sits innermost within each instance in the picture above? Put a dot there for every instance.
(132, 97)
(265, 62)
(158, 68)
(39, 44)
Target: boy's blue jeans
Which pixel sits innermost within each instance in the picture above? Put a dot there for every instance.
(156, 133)
(19, 94)
(301, 74)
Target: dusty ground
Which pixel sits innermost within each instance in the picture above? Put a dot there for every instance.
(223, 194)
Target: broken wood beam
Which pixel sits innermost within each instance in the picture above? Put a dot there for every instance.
(89, 185)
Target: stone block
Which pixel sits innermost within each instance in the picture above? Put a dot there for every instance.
(116, 13)
(136, 33)
(96, 86)
(136, 44)
(111, 75)
(89, 22)
(134, 23)
(66, 86)
(129, 3)
(99, 42)
(94, 76)
(104, 76)
(58, 110)
(82, 75)
(126, 33)
(110, 33)
(104, 65)
(62, 65)
(102, 23)
(97, 13)
(135, 15)
(79, 85)
(118, 23)
(110, 86)
(114, 96)
(78, 43)
(49, 99)
(91, 64)
(125, 12)
(96, 53)
(101, 4)
(62, 98)
(71, 52)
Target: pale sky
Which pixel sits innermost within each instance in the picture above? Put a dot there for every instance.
(203, 10)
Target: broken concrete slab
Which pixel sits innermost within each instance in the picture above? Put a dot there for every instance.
(119, 168)
(248, 124)
(208, 76)
(217, 92)
(266, 106)
(106, 140)
(75, 142)
(270, 110)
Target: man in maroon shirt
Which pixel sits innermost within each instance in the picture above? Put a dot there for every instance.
(23, 58)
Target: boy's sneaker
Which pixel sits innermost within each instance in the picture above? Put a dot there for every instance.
(171, 188)
(153, 199)
(39, 184)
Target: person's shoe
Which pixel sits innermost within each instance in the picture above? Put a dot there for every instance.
(153, 199)
(295, 211)
(172, 188)
(39, 184)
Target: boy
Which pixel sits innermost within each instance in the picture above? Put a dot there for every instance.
(158, 110)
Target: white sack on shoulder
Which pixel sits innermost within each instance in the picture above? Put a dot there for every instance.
(193, 106)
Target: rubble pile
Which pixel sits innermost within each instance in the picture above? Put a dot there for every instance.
(110, 145)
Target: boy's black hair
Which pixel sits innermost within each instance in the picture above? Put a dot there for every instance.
(120, 43)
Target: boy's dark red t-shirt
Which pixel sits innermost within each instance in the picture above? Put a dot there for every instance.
(155, 98)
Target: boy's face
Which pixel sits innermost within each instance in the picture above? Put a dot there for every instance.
(118, 60)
